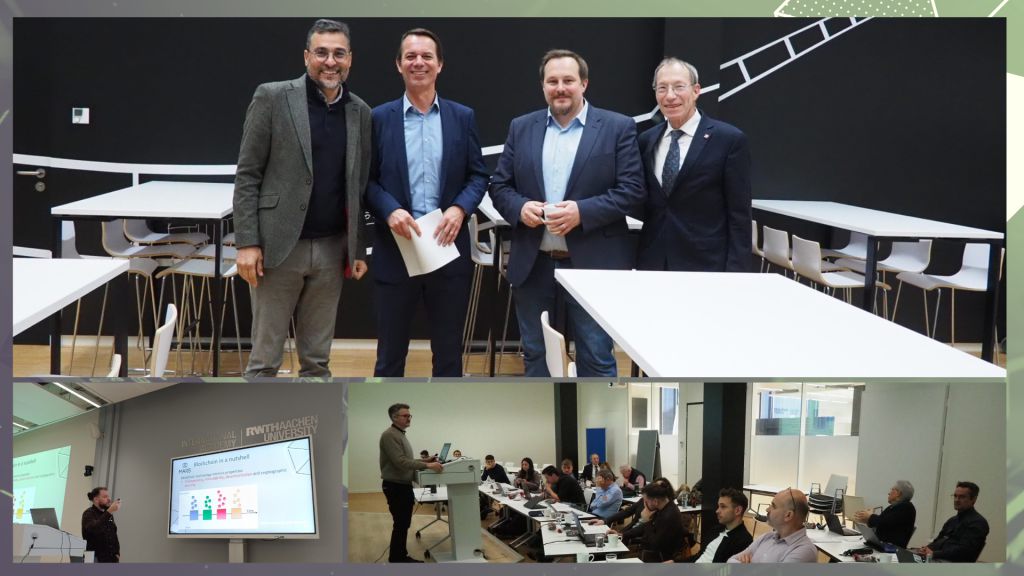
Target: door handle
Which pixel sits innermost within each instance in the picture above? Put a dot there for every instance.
(38, 173)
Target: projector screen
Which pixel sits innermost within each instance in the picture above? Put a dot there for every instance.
(40, 481)
(264, 490)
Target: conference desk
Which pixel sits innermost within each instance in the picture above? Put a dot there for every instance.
(833, 546)
(734, 327)
(556, 543)
(44, 286)
(158, 200)
(517, 505)
(486, 206)
(878, 225)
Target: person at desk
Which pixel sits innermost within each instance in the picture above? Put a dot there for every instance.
(569, 470)
(567, 178)
(456, 454)
(302, 168)
(563, 488)
(963, 536)
(896, 523)
(425, 456)
(98, 527)
(607, 495)
(633, 480)
(493, 471)
(527, 478)
(590, 470)
(733, 538)
(788, 541)
(660, 527)
(631, 510)
(398, 469)
(426, 157)
(697, 214)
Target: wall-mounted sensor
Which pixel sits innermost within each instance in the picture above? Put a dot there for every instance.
(79, 115)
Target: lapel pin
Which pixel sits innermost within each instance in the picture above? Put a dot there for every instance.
(706, 135)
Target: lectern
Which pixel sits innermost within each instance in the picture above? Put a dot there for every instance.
(462, 477)
(34, 543)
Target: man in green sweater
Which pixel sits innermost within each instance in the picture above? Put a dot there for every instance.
(398, 467)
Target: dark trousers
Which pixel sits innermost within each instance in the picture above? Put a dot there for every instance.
(400, 504)
(445, 299)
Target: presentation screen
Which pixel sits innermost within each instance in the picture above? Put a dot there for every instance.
(264, 490)
(40, 480)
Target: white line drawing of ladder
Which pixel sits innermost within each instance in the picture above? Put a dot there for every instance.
(826, 36)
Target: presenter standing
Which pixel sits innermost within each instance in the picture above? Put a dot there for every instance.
(98, 527)
(398, 467)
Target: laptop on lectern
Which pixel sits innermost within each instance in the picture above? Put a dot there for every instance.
(45, 517)
(443, 456)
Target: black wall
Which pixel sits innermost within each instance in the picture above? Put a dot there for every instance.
(904, 115)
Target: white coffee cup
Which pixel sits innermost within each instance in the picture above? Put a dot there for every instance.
(584, 557)
(548, 208)
(611, 557)
(613, 540)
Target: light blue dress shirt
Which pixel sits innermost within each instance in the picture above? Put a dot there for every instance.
(560, 145)
(423, 148)
(607, 501)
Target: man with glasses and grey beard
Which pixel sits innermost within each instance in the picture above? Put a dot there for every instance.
(788, 541)
(302, 168)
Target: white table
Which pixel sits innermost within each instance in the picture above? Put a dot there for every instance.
(558, 544)
(733, 327)
(878, 225)
(425, 496)
(44, 286)
(159, 200)
(833, 545)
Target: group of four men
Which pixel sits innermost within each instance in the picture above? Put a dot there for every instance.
(313, 155)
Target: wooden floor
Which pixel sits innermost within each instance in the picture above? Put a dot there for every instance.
(348, 360)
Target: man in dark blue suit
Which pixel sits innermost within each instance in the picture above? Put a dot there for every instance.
(697, 215)
(566, 180)
(426, 156)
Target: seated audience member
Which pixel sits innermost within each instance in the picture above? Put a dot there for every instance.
(567, 469)
(632, 480)
(788, 541)
(896, 523)
(563, 488)
(527, 478)
(733, 537)
(425, 456)
(963, 536)
(493, 471)
(607, 495)
(660, 526)
(456, 454)
(591, 469)
(631, 510)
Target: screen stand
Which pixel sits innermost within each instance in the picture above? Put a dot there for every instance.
(236, 550)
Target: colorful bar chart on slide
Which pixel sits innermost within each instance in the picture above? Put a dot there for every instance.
(224, 508)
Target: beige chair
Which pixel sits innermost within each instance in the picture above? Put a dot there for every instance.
(115, 366)
(808, 264)
(753, 243)
(162, 343)
(555, 354)
(482, 255)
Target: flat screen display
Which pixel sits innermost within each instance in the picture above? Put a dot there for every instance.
(265, 490)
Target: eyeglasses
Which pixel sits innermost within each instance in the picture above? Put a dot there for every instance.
(662, 89)
(321, 54)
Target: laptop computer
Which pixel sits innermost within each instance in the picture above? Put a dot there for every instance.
(45, 517)
(836, 527)
(869, 536)
(442, 457)
(907, 557)
(588, 539)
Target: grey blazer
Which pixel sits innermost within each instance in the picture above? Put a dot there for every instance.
(274, 177)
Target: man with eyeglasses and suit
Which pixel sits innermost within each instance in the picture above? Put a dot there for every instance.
(788, 541)
(302, 168)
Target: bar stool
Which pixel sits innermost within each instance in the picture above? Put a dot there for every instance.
(808, 264)
(138, 231)
(482, 255)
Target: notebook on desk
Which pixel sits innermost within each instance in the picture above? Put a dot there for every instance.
(588, 539)
(836, 527)
(536, 502)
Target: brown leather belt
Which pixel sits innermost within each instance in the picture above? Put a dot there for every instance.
(558, 254)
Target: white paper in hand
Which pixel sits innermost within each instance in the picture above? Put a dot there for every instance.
(423, 254)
